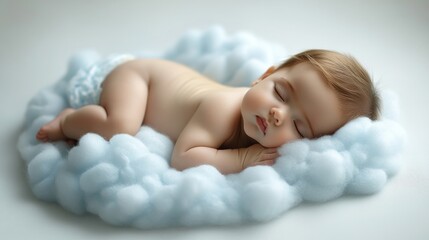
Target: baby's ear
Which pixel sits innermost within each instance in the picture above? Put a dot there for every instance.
(267, 73)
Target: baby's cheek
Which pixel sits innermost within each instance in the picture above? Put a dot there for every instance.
(254, 98)
(281, 137)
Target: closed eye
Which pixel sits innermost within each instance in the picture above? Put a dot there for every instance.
(278, 93)
(297, 130)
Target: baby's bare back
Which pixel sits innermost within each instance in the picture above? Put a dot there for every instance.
(174, 94)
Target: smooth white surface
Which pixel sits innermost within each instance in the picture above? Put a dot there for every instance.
(390, 38)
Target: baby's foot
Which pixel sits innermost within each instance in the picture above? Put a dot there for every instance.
(52, 131)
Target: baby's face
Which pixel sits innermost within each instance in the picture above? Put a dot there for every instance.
(289, 104)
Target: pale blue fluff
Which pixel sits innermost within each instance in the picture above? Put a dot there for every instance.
(128, 181)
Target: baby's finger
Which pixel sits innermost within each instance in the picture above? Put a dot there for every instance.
(265, 162)
(270, 150)
(270, 156)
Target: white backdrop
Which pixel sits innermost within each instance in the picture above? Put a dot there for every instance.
(390, 38)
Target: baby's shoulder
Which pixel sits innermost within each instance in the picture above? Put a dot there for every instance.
(224, 100)
(222, 109)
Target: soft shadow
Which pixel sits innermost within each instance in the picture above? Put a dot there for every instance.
(23, 189)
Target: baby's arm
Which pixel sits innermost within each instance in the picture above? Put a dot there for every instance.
(199, 141)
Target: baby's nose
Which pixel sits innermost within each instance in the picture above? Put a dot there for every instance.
(277, 116)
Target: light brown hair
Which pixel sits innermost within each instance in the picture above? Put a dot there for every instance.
(349, 80)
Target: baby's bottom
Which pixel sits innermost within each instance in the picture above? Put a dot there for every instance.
(121, 110)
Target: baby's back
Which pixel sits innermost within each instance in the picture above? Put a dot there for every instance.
(175, 92)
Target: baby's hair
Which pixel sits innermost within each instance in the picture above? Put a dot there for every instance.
(344, 74)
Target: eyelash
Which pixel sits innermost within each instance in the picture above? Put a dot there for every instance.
(294, 122)
(278, 94)
(296, 128)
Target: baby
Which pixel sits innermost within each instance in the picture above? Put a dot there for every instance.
(311, 94)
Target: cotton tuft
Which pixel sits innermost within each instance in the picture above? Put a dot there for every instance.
(127, 181)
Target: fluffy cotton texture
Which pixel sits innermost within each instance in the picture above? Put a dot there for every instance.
(128, 181)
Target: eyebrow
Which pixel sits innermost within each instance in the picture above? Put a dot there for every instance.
(292, 89)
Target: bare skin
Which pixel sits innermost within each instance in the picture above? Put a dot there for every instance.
(210, 123)
(52, 130)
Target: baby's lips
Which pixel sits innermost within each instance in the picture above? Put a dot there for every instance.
(262, 124)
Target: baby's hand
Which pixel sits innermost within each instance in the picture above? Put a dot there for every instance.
(257, 155)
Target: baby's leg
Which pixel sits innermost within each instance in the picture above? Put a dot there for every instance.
(121, 110)
(52, 130)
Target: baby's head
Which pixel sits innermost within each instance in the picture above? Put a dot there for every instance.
(348, 79)
(311, 94)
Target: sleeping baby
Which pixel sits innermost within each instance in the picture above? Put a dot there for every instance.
(311, 94)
